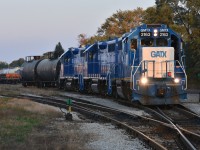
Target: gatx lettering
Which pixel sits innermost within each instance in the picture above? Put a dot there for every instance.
(158, 54)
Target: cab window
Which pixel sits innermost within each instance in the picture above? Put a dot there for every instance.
(82, 54)
(67, 59)
(161, 42)
(133, 44)
(147, 42)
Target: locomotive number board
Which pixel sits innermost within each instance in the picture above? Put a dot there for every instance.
(145, 34)
(155, 33)
(149, 34)
(163, 34)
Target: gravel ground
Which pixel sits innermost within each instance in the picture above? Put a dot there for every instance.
(193, 102)
(109, 103)
(193, 98)
(195, 107)
(109, 138)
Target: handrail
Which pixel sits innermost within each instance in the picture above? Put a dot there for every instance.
(132, 70)
(184, 74)
(182, 59)
(135, 73)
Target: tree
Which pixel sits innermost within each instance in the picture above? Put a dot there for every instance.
(3, 65)
(121, 22)
(115, 26)
(187, 15)
(155, 15)
(17, 63)
(58, 51)
(183, 17)
(82, 39)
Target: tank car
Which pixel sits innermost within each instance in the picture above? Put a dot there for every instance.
(47, 72)
(28, 73)
(145, 65)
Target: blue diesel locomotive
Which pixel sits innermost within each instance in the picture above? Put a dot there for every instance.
(146, 65)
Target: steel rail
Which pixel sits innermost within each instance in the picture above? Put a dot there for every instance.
(186, 142)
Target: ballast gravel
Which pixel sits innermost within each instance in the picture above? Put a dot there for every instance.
(195, 107)
(108, 103)
(108, 137)
(193, 102)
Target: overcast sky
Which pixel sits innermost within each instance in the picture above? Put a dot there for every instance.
(32, 27)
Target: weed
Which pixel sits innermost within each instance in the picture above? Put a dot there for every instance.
(16, 123)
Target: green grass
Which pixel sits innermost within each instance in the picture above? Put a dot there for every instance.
(16, 123)
(18, 129)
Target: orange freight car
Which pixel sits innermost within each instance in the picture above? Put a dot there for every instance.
(10, 76)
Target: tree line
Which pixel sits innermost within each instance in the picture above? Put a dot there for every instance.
(58, 51)
(183, 16)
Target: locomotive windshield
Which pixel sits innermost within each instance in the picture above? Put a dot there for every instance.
(161, 42)
(148, 42)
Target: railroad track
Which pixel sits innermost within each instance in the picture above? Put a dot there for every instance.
(186, 123)
(157, 134)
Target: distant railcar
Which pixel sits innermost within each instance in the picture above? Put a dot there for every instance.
(10, 75)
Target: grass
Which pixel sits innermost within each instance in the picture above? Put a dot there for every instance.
(16, 123)
(28, 125)
(9, 89)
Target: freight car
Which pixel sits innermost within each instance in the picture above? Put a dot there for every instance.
(10, 75)
(48, 72)
(28, 73)
(146, 65)
(40, 72)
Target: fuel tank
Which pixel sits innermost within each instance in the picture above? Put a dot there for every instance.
(28, 72)
(48, 70)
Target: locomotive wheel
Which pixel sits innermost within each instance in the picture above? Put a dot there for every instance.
(129, 96)
(58, 84)
(41, 85)
(38, 84)
(24, 84)
(102, 87)
(65, 85)
(114, 93)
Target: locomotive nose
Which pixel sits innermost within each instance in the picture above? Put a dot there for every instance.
(161, 92)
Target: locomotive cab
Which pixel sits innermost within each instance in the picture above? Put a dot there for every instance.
(159, 75)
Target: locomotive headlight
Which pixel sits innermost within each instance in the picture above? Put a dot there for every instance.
(176, 80)
(144, 80)
(155, 32)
